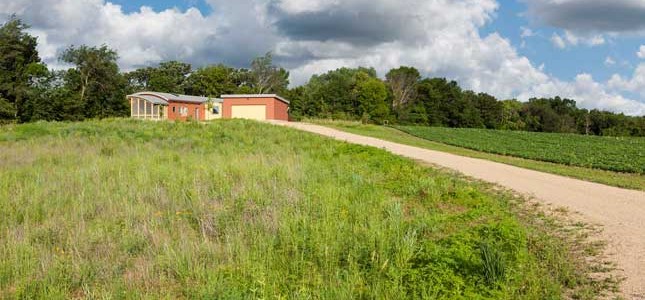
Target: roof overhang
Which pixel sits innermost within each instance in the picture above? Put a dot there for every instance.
(166, 97)
(150, 98)
(257, 96)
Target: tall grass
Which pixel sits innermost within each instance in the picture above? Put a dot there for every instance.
(239, 210)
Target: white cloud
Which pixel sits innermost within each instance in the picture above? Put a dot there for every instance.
(572, 39)
(635, 84)
(140, 38)
(609, 61)
(526, 32)
(558, 41)
(641, 52)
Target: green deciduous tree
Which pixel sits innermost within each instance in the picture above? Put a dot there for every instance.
(19, 62)
(96, 80)
(212, 81)
(167, 77)
(370, 94)
(490, 110)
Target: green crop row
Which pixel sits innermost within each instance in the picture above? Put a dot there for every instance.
(621, 154)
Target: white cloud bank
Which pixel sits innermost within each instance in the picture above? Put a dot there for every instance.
(440, 37)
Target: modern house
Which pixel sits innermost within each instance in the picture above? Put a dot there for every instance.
(165, 106)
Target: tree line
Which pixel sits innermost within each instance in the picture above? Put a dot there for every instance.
(405, 97)
(95, 87)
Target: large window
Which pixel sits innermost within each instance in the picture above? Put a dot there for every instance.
(135, 107)
(142, 107)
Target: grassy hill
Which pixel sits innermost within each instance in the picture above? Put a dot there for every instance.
(239, 209)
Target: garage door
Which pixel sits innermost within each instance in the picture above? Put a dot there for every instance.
(254, 112)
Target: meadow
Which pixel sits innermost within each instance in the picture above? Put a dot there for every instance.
(128, 209)
(621, 154)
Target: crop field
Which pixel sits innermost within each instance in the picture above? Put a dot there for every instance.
(241, 210)
(621, 154)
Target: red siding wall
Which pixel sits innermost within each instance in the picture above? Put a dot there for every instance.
(176, 115)
(276, 109)
(281, 111)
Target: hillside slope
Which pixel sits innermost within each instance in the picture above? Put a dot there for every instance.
(239, 209)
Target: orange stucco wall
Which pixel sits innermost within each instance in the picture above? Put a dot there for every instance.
(174, 112)
(276, 109)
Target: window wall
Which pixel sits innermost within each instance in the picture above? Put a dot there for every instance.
(142, 109)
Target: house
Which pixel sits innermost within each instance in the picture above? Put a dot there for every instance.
(165, 106)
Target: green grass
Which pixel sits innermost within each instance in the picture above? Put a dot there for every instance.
(618, 179)
(619, 154)
(237, 210)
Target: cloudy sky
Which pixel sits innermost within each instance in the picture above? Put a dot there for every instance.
(589, 50)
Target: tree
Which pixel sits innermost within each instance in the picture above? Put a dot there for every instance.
(464, 112)
(511, 118)
(7, 111)
(167, 77)
(440, 98)
(53, 100)
(96, 79)
(402, 82)
(267, 77)
(19, 62)
(212, 81)
(490, 110)
(139, 80)
(370, 94)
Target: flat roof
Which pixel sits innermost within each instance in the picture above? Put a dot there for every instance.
(258, 96)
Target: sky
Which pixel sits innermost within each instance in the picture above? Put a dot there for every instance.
(592, 51)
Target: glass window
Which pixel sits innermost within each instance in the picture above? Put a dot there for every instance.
(142, 107)
(135, 107)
